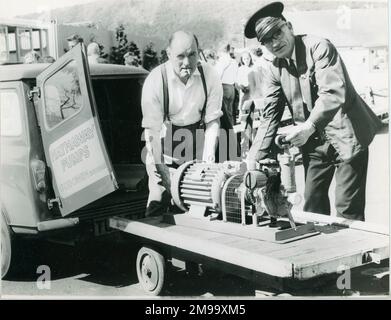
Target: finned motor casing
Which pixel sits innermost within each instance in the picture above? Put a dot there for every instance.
(200, 183)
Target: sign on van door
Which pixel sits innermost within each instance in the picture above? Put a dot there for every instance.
(74, 148)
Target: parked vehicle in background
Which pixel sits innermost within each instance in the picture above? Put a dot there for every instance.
(47, 38)
(70, 149)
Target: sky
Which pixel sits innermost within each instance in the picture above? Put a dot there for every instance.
(12, 8)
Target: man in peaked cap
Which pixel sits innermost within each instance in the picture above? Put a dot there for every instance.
(333, 125)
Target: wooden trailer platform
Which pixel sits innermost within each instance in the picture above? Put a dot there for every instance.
(339, 243)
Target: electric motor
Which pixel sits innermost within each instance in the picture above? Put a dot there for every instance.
(201, 184)
(233, 192)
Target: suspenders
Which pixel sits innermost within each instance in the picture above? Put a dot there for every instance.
(166, 101)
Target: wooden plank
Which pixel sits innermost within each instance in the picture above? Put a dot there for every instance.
(306, 247)
(318, 243)
(263, 233)
(302, 260)
(318, 261)
(359, 245)
(180, 230)
(310, 254)
(332, 253)
(304, 217)
(302, 272)
(157, 221)
(247, 244)
(326, 242)
(315, 246)
(239, 257)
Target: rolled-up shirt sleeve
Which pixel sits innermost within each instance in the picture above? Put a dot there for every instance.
(215, 95)
(151, 101)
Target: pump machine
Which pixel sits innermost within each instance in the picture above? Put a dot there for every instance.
(233, 194)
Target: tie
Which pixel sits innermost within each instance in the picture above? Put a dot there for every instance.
(297, 99)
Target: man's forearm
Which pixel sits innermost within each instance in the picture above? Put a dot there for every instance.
(210, 144)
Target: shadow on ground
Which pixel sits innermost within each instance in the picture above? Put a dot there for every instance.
(105, 263)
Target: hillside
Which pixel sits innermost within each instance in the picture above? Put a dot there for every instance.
(214, 21)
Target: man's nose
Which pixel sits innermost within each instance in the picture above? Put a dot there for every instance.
(275, 43)
(186, 61)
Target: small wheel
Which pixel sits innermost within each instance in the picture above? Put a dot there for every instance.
(150, 270)
(6, 251)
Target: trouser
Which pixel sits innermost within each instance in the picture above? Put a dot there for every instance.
(159, 199)
(321, 161)
(228, 101)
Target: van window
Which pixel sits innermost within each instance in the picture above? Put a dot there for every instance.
(119, 107)
(11, 121)
(62, 95)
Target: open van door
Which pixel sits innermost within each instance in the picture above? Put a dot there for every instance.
(75, 152)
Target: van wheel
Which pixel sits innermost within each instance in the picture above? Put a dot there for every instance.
(151, 268)
(6, 251)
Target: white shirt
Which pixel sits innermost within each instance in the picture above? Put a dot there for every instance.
(227, 68)
(93, 59)
(242, 78)
(293, 56)
(185, 100)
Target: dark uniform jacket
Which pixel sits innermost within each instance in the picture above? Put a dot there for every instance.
(340, 115)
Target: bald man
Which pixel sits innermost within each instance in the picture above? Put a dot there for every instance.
(180, 99)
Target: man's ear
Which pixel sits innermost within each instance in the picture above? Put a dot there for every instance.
(168, 52)
(289, 26)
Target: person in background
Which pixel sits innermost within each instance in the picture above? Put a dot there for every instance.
(131, 60)
(232, 52)
(48, 59)
(236, 103)
(257, 54)
(227, 69)
(73, 40)
(31, 57)
(93, 54)
(242, 82)
(210, 56)
(333, 125)
(255, 77)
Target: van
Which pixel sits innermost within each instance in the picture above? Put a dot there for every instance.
(70, 149)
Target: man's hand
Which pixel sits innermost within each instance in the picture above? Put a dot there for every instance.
(210, 144)
(164, 172)
(300, 134)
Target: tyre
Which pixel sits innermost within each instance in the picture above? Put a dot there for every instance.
(6, 248)
(151, 270)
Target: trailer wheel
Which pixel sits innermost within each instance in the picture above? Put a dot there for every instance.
(151, 270)
(6, 251)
